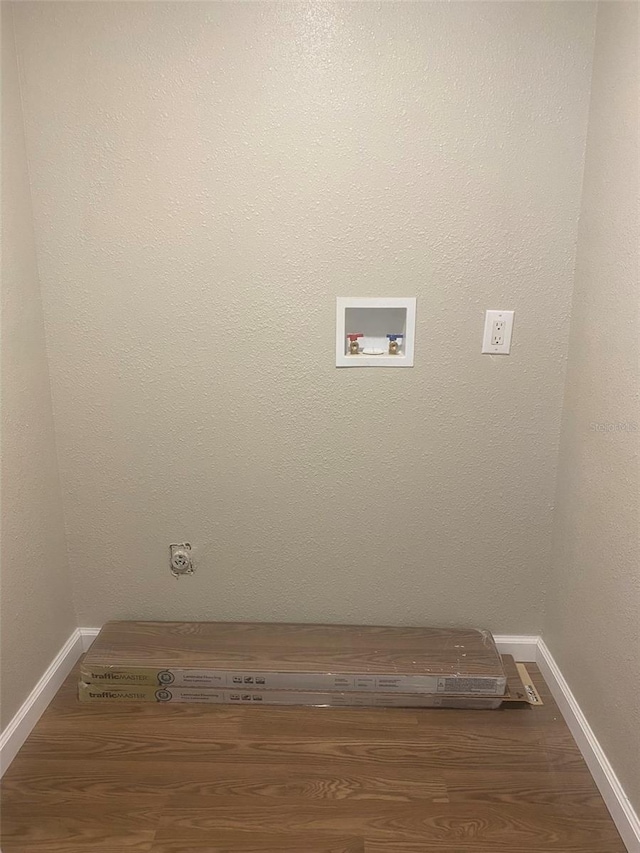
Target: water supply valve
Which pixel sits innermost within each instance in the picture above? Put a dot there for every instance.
(394, 344)
(354, 346)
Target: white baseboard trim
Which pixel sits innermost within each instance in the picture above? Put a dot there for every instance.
(36, 702)
(88, 636)
(522, 647)
(622, 812)
(525, 648)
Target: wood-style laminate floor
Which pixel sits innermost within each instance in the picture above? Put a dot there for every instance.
(207, 779)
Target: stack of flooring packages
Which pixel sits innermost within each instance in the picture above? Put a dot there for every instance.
(274, 664)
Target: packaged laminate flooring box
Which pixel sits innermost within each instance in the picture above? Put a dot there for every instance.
(309, 698)
(520, 689)
(269, 656)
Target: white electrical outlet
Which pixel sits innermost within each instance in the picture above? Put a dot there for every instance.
(498, 328)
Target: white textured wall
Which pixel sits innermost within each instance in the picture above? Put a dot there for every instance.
(207, 178)
(36, 612)
(593, 624)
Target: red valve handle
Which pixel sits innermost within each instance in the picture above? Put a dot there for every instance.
(356, 336)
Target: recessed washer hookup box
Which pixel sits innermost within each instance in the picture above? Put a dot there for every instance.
(266, 656)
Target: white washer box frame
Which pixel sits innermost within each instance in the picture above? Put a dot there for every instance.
(408, 304)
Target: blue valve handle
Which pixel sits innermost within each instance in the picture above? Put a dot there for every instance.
(394, 337)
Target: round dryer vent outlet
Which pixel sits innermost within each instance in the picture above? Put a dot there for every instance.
(181, 562)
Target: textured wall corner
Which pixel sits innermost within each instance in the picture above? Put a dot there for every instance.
(208, 177)
(36, 614)
(593, 622)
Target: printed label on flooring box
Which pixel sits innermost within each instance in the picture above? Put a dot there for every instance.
(96, 693)
(147, 676)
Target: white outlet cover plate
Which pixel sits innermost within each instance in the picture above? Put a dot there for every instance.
(490, 319)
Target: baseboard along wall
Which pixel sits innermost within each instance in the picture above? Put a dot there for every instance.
(624, 816)
(36, 702)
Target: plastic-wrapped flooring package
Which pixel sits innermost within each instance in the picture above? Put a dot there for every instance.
(284, 657)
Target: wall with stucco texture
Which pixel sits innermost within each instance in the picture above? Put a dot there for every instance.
(36, 611)
(593, 621)
(207, 178)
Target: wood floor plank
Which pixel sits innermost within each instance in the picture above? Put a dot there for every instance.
(447, 750)
(469, 826)
(252, 842)
(104, 781)
(524, 786)
(513, 717)
(390, 724)
(77, 827)
(246, 724)
(381, 845)
(234, 719)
